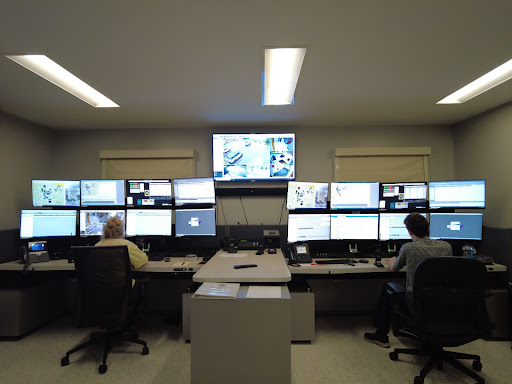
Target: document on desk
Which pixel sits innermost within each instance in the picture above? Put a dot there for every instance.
(217, 291)
(263, 292)
(233, 255)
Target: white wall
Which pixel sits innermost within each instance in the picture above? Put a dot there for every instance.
(483, 150)
(25, 154)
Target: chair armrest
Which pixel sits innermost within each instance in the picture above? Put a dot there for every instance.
(395, 288)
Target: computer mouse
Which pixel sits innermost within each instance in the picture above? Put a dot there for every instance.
(363, 261)
(167, 259)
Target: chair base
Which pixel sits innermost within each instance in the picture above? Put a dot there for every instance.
(437, 357)
(107, 338)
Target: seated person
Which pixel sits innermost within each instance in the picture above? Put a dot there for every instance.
(410, 255)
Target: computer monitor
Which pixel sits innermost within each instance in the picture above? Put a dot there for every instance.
(56, 193)
(195, 190)
(355, 195)
(36, 223)
(392, 227)
(102, 192)
(456, 226)
(306, 195)
(457, 194)
(403, 195)
(149, 193)
(354, 226)
(93, 221)
(307, 227)
(195, 222)
(148, 222)
(253, 156)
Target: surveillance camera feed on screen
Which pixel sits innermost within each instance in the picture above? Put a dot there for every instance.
(403, 195)
(354, 195)
(149, 193)
(102, 192)
(92, 222)
(55, 193)
(253, 157)
(47, 223)
(306, 195)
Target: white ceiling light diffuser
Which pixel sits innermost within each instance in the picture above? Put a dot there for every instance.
(54, 73)
(282, 69)
(480, 85)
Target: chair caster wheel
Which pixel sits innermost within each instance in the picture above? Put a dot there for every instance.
(477, 365)
(393, 356)
(145, 350)
(102, 368)
(64, 361)
(418, 380)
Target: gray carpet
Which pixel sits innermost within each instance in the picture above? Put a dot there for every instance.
(338, 355)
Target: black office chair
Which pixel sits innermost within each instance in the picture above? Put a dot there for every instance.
(450, 311)
(104, 288)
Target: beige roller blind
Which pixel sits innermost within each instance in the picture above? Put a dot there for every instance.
(158, 164)
(382, 164)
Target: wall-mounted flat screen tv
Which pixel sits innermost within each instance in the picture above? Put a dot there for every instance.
(254, 156)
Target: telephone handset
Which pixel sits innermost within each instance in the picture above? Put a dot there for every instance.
(299, 253)
(28, 258)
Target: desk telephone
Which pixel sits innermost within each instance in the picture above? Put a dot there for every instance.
(37, 254)
(299, 253)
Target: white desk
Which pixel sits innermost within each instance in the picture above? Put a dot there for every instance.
(270, 268)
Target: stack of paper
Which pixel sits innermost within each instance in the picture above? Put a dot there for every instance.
(217, 291)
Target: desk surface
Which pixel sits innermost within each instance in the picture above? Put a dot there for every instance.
(270, 268)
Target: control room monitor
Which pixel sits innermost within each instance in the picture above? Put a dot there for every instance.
(307, 227)
(93, 221)
(195, 222)
(148, 222)
(195, 190)
(355, 195)
(56, 193)
(306, 195)
(102, 192)
(354, 226)
(456, 226)
(149, 193)
(37, 223)
(457, 194)
(392, 227)
(403, 195)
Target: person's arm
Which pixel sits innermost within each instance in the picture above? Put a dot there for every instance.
(391, 264)
(138, 258)
(398, 262)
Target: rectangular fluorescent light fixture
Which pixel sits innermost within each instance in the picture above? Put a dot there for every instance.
(282, 69)
(480, 85)
(54, 73)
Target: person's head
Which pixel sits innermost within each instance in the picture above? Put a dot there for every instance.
(113, 228)
(416, 224)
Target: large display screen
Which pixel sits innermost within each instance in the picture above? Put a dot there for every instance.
(354, 226)
(148, 222)
(354, 195)
(37, 223)
(457, 194)
(456, 226)
(195, 222)
(403, 195)
(195, 190)
(307, 227)
(102, 192)
(93, 221)
(56, 193)
(149, 193)
(392, 227)
(306, 195)
(255, 156)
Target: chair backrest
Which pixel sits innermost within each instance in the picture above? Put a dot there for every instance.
(104, 285)
(450, 301)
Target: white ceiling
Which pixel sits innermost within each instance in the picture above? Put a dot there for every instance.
(198, 63)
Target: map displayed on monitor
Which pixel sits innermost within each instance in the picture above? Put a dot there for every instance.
(254, 156)
(307, 195)
(55, 193)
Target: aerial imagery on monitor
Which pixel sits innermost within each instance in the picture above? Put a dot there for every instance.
(58, 193)
(258, 157)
